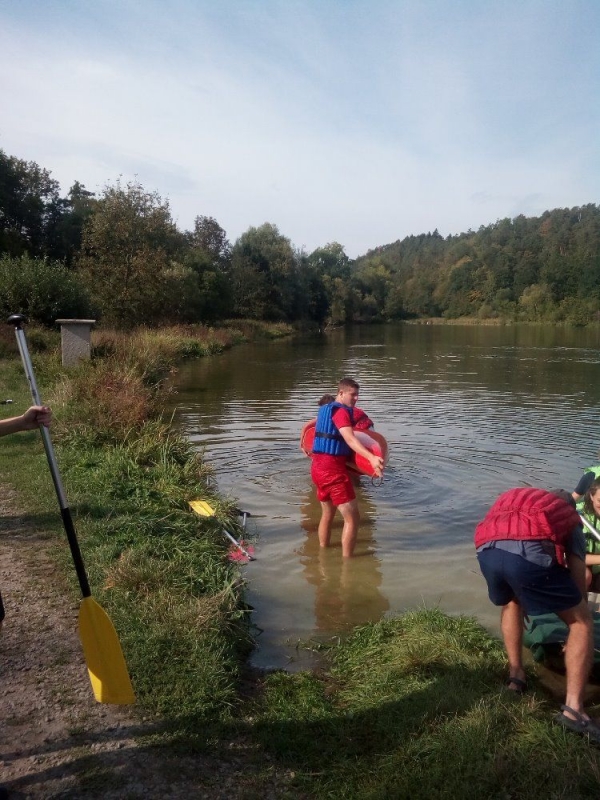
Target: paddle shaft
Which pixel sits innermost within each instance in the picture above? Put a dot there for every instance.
(60, 492)
(238, 545)
(590, 527)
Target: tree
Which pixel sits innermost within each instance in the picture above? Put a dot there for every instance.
(333, 266)
(264, 275)
(27, 197)
(128, 243)
(208, 256)
(66, 219)
(208, 237)
(536, 301)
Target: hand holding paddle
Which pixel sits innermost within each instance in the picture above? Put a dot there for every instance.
(101, 647)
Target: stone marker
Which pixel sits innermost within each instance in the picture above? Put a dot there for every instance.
(75, 340)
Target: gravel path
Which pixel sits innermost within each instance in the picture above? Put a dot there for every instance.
(56, 741)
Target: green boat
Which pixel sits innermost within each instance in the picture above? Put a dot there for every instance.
(545, 635)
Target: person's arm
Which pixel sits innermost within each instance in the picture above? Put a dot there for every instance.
(31, 419)
(592, 559)
(352, 441)
(577, 569)
(576, 558)
(584, 484)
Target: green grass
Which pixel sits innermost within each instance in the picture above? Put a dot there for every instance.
(412, 708)
(160, 571)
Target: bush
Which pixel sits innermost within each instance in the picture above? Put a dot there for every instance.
(42, 290)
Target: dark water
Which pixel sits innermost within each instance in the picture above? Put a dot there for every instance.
(468, 411)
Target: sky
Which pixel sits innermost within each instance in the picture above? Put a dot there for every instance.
(355, 121)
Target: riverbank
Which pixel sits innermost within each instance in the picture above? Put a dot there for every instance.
(379, 720)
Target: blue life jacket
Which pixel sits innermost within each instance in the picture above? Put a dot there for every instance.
(328, 439)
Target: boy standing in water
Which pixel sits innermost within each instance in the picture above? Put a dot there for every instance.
(334, 441)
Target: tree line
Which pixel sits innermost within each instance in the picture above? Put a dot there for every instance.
(120, 257)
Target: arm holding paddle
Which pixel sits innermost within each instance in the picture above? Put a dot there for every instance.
(352, 441)
(29, 421)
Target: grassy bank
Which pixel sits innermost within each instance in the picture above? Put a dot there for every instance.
(161, 572)
(406, 708)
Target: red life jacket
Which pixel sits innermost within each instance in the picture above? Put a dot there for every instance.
(529, 514)
(361, 421)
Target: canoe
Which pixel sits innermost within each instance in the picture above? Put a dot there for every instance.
(374, 442)
(545, 635)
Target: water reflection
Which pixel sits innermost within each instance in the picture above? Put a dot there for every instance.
(346, 590)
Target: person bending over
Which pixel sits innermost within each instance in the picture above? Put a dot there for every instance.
(531, 551)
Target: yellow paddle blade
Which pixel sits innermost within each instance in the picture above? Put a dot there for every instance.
(103, 655)
(203, 508)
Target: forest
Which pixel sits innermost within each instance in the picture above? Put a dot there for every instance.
(119, 257)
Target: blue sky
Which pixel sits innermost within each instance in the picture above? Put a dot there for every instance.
(357, 121)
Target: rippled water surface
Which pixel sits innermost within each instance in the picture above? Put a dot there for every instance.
(468, 412)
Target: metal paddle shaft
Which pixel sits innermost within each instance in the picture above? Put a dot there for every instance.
(590, 527)
(17, 320)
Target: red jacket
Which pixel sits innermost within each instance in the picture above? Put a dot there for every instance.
(529, 514)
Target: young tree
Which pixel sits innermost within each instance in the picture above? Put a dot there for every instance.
(128, 243)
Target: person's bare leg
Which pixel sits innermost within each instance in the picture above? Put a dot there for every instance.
(327, 515)
(579, 653)
(349, 512)
(511, 623)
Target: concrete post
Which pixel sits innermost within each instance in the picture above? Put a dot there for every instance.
(75, 340)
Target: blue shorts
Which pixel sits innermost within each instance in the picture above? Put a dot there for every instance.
(538, 590)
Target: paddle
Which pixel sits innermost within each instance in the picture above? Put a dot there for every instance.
(204, 509)
(590, 527)
(101, 646)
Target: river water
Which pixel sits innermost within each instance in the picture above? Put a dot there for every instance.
(468, 411)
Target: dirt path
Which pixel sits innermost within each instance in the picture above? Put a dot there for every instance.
(56, 741)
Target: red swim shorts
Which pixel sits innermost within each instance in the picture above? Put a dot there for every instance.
(332, 480)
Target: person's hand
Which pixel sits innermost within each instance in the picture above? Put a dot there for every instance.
(377, 464)
(36, 416)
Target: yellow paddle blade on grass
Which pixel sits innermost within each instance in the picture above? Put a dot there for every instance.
(203, 508)
(103, 655)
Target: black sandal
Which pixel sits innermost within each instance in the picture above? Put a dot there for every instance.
(578, 724)
(516, 685)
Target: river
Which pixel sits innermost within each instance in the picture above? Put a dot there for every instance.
(468, 411)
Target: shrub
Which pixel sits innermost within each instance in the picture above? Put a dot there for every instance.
(42, 290)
